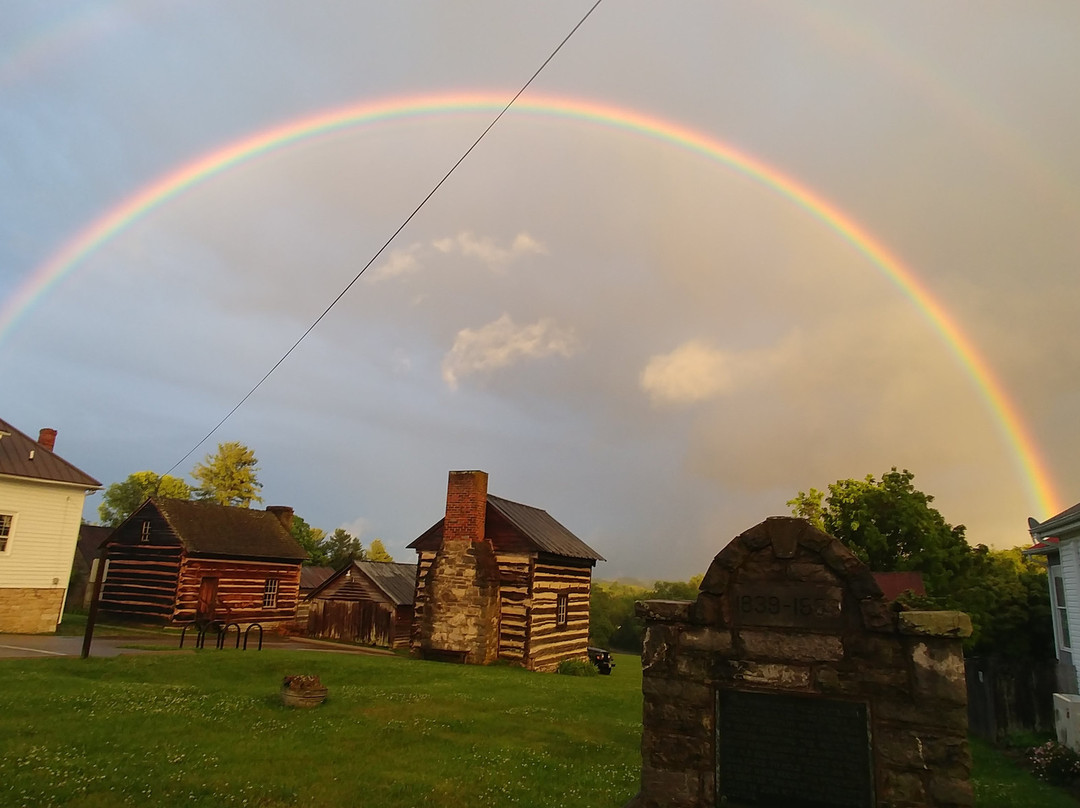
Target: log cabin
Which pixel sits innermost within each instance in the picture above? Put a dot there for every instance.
(500, 580)
(178, 561)
(369, 602)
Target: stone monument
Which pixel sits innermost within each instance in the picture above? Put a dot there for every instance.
(791, 681)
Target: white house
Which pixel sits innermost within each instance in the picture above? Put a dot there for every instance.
(41, 505)
(1058, 538)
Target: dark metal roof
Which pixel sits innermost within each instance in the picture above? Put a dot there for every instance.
(311, 577)
(544, 530)
(225, 530)
(397, 581)
(537, 526)
(91, 537)
(22, 456)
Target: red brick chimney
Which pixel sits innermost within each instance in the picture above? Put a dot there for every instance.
(466, 505)
(284, 514)
(47, 438)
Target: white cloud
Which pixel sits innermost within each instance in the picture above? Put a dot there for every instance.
(357, 527)
(696, 371)
(400, 262)
(501, 343)
(484, 248)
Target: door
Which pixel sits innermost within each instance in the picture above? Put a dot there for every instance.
(207, 599)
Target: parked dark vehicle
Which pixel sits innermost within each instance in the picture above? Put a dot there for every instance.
(602, 660)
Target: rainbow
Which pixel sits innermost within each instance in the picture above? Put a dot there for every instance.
(1040, 488)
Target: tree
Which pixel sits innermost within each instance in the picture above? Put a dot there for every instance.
(343, 548)
(311, 539)
(229, 477)
(121, 499)
(890, 525)
(377, 552)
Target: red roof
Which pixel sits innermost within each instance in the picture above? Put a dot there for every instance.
(894, 584)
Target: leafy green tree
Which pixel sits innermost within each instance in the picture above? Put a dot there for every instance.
(121, 499)
(312, 540)
(377, 551)
(229, 477)
(343, 548)
(890, 525)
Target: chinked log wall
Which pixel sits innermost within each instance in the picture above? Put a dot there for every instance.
(549, 643)
(241, 585)
(529, 590)
(141, 582)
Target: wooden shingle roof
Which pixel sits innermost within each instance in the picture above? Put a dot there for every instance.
(22, 456)
(228, 531)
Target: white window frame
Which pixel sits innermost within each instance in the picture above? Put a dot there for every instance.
(12, 520)
(562, 609)
(270, 593)
(1060, 608)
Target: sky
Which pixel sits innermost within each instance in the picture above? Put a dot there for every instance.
(716, 254)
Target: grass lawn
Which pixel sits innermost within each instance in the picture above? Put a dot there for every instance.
(207, 729)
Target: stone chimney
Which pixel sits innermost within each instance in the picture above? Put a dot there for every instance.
(460, 620)
(284, 514)
(47, 438)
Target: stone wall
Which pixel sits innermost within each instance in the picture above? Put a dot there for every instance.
(791, 681)
(30, 611)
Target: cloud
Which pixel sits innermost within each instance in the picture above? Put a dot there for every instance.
(401, 262)
(501, 343)
(485, 248)
(696, 371)
(357, 527)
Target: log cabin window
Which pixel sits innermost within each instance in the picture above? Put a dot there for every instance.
(270, 593)
(562, 606)
(144, 537)
(6, 522)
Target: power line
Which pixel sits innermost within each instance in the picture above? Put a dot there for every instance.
(387, 243)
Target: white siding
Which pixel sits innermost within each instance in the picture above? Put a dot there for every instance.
(1070, 573)
(41, 548)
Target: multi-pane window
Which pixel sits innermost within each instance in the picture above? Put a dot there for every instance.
(144, 537)
(6, 520)
(562, 606)
(1062, 621)
(270, 593)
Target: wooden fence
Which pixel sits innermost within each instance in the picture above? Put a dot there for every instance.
(1008, 697)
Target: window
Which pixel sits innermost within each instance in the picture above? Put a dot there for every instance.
(1061, 614)
(145, 535)
(270, 593)
(6, 522)
(562, 606)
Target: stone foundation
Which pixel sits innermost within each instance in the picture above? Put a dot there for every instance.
(792, 681)
(30, 611)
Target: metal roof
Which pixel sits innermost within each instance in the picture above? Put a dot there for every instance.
(22, 456)
(543, 530)
(397, 581)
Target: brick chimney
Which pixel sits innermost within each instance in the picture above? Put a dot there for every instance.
(47, 438)
(459, 620)
(284, 514)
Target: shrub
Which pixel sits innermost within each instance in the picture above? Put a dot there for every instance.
(577, 667)
(1055, 763)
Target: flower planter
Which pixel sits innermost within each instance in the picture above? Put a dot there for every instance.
(311, 697)
(302, 691)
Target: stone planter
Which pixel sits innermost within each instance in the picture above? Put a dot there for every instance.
(311, 697)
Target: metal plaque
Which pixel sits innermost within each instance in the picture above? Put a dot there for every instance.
(783, 751)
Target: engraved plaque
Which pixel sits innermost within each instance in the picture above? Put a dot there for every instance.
(790, 605)
(780, 751)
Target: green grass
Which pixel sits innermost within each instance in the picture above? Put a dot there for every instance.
(208, 729)
(1002, 783)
